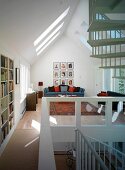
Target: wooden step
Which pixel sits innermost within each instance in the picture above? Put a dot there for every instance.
(104, 42)
(111, 55)
(103, 25)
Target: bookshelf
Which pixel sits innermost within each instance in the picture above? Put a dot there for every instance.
(6, 97)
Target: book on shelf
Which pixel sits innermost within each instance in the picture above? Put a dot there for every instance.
(10, 97)
(10, 75)
(4, 61)
(4, 89)
(10, 108)
(11, 122)
(10, 86)
(4, 117)
(4, 75)
(10, 64)
(3, 106)
(4, 132)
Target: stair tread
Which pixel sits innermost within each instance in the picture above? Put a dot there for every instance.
(111, 55)
(118, 66)
(100, 25)
(102, 42)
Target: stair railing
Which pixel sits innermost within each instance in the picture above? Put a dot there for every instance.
(92, 154)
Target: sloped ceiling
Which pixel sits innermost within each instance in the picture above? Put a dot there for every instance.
(22, 21)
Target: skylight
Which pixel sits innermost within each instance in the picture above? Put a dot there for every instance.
(51, 26)
(48, 43)
(49, 37)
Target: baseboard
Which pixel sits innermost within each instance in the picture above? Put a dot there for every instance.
(23, 112)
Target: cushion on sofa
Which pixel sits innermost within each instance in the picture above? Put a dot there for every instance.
(71, 89)
(63, 88)
(115, 94)
(77, 89)
(57, 89)
(103, 93)
(51, 89)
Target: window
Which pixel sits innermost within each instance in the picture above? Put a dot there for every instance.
(108, 81)
(47, 37)
(23, 81)
(114, 84)
(119, 82)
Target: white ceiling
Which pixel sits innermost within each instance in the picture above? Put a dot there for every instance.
(22, 21)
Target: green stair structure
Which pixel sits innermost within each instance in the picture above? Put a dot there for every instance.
(106, 36)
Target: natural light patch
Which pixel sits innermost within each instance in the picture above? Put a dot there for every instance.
(29, 143)
(53, 120)
(51, 26)
(49, 37)
(36, 125)
(83, 40)
(48, 43)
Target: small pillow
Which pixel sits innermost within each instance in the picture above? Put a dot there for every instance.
(51, 89)
(57, 89)
(102, 94)
(64, 88)
(77, 89)
(71, 89)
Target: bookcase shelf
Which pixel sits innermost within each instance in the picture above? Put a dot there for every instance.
(6, 96)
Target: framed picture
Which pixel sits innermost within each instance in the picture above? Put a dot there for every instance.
(70, 82)
(56, 74)
(70, 74)
(56, 65)
(64, 81)
(56, 82)
(63, 65)
(70, 65)
(63, 74)
(17, 74)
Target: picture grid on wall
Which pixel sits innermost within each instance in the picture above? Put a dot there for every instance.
(63, 73)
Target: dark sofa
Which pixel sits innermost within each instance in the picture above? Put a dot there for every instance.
(111, 94)
(63, 90)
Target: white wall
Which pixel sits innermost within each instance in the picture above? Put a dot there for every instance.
(65, 50)
(69, 48)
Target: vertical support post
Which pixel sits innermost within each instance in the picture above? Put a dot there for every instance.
(109, 112)
(78, 114)
(46, 152)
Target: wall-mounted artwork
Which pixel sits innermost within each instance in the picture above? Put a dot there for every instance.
(63, 73)
(56, 74)
(56, 65)
(70, 74)
(70, 65)
(64, 81)
(63, 65)
(56, 82)
(70, 82)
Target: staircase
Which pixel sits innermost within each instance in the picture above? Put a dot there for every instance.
(106, 36)
(92, 154)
